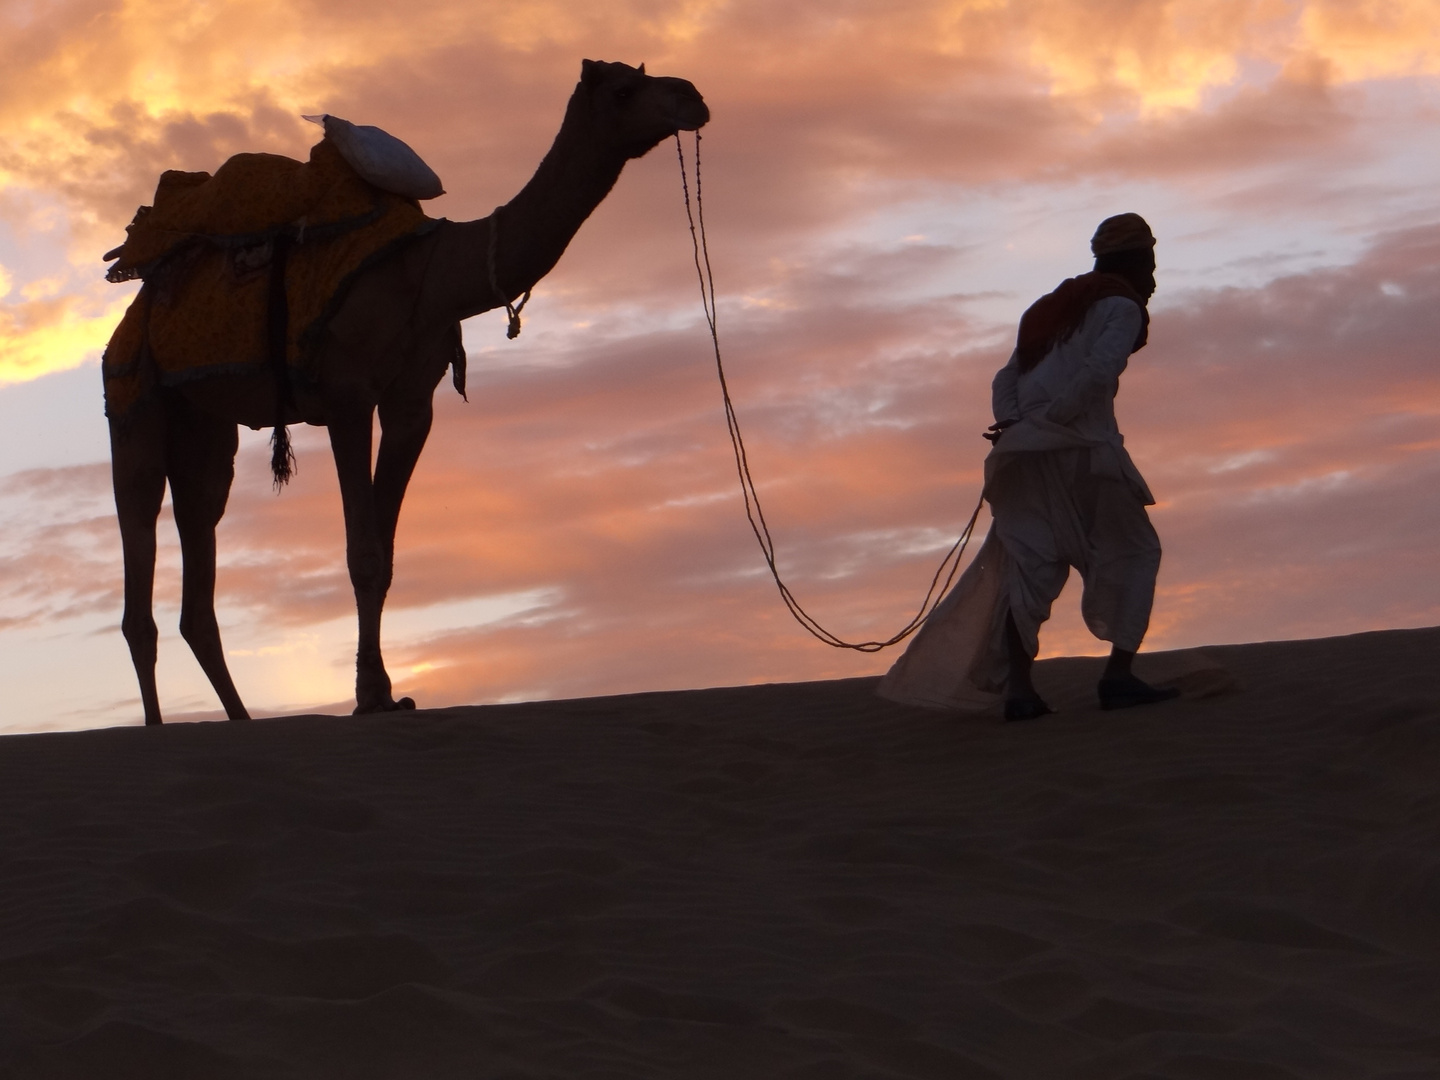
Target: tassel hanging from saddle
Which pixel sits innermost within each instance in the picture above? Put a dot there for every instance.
(282, 457)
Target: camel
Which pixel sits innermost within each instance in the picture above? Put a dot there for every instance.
(386, 349)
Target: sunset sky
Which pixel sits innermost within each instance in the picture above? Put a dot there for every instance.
(888, 184)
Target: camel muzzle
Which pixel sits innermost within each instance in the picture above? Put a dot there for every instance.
(690, 111)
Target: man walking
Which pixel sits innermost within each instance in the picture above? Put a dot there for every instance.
(1061, 486)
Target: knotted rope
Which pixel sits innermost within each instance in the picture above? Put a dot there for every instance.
(512, 310)
(949, 566)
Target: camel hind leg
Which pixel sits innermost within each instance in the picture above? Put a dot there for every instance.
(350, 422)
(137, 467)
(200, 462)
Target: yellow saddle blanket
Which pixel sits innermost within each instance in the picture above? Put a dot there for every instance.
(206, 250)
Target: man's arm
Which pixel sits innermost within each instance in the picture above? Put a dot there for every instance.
(1104, 360)
(1005, 392)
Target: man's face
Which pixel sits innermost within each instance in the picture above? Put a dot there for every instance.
(1144, 276)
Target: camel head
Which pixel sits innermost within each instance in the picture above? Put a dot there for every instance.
(633, 112)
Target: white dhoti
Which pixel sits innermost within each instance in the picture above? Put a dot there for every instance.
(1053, 512)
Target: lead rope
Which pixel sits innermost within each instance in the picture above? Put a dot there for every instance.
(949, 566)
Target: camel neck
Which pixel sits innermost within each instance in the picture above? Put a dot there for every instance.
(538, 223)
(534, 227)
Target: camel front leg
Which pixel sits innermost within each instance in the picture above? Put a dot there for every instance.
(404, 427)
(137, 467)
(350, 440)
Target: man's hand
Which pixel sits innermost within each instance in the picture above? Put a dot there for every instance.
(995, 430)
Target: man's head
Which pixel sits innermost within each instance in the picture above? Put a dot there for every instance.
(1124, 245)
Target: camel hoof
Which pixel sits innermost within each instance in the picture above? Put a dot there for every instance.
(387, 705)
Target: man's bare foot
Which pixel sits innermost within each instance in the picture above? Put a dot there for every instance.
(1031, 707)
(1126, 691)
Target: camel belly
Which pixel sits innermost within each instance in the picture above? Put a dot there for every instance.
(249, 399)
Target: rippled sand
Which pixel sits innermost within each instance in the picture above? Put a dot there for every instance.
(775, 881)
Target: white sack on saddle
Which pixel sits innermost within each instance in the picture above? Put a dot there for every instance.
(380, 158)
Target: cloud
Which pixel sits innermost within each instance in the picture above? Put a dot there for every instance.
(1377, 39)
(1294, 435)
(53, 333)
(99, 97)
(55, 562)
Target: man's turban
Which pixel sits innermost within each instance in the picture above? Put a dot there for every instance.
(1123, 232)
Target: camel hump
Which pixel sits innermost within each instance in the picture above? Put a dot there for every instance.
(381, 158)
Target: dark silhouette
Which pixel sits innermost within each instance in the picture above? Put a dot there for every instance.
(1066, 494)
(386, 348)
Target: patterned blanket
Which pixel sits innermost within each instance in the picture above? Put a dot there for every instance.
(206, 249)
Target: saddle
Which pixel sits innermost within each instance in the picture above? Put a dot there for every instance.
(243, 269)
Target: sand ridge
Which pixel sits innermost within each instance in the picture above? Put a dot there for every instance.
(776, 881)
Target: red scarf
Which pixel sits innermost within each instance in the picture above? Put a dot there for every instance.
(1053, 319)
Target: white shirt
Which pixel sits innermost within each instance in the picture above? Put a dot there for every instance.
(1068, 399)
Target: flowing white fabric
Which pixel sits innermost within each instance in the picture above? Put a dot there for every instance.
(957, 659)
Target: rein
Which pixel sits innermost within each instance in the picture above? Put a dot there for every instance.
(949, 566)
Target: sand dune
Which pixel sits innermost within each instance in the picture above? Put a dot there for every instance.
(777, 881)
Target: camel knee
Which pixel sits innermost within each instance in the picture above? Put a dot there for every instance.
(198, 628)
(141, 633)
(369, 571)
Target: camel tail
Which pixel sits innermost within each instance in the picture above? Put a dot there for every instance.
(282, 457)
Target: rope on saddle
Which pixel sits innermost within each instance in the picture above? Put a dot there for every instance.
(949, 565)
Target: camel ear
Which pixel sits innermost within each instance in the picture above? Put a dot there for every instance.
(589, 71)
(642, 69)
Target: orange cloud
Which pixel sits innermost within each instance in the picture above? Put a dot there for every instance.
(52, 334)
(1374, 39)
(96, 100)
